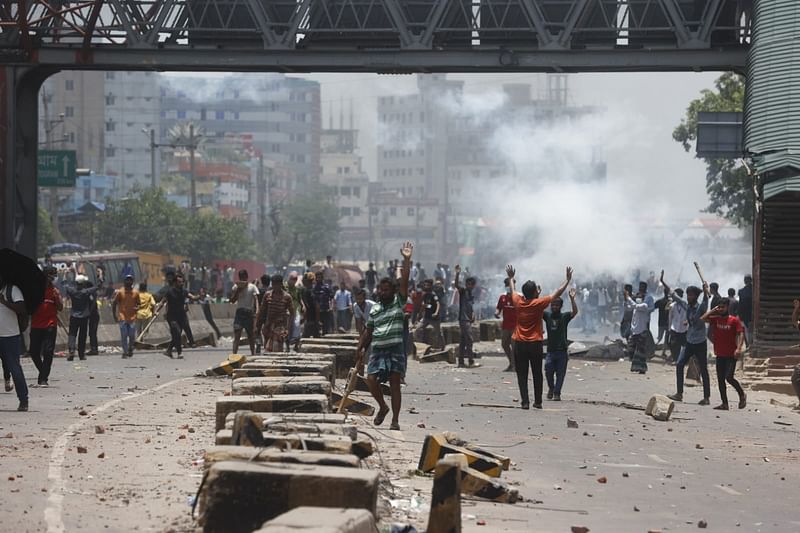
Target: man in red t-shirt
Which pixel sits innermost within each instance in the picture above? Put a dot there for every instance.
(728, 334)
(44, 325)
(529, 334)
(506, 307)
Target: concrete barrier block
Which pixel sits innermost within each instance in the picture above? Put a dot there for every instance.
(301, 418)
(303, 441)
(291, 403)
(326, 369)
(238, 497)
(272, 386)
(321, 520)
(217, 454)
(226, 367)
(445, 515)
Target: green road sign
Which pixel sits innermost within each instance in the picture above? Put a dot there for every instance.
(56, 168)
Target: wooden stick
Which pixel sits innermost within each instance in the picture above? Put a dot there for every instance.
(700, 272)
(147, 327)
(352, 376)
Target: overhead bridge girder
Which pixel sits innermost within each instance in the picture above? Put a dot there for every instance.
(31, 31)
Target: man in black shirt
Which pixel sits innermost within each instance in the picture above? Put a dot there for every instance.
(310, 307)
(430, 317)
(83, 298)
(175, 298)
(324, 298)
(556, 323)
(466, 317)
(745, 308)
(371, 277)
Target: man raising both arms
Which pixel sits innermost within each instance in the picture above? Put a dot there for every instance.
(384, 332)
(528, 335)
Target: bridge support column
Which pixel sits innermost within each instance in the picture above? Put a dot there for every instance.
(19, 121)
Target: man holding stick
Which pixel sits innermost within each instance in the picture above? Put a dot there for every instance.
(384, 332)
(696, 344)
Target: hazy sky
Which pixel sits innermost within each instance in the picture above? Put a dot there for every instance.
(643, 156)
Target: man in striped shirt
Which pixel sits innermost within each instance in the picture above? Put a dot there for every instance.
(384, 333)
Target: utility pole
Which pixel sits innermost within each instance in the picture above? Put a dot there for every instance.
(192, 148)
(153, 177)
(49, 125)
(371, 247)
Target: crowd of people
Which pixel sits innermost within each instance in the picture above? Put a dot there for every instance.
(390, 310)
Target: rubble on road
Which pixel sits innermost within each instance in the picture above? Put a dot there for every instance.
(659, 407)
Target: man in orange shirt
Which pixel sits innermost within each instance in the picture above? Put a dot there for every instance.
(124, 307)
(528, 335)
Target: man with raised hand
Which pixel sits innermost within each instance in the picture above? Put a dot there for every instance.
(384, 332)
(529, 335)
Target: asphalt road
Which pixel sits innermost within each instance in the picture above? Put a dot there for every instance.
(737, 470)
(143, 422)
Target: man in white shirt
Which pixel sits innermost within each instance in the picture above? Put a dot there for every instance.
(245, 296)
(642, 307)
(12, 305)
(344, 308)
(361, 310)
(678, 326)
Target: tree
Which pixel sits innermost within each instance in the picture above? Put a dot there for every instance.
(307, 226)
(730, 189)
(148, 222)
(44, 232)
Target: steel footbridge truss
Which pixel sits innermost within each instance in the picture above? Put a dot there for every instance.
(378, 35)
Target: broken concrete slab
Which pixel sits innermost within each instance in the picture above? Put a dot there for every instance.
(226, 368)
(352, 405)
(238, 497)
(455, 439)
(659, 407)
(289, 403)
(321, 520)
(479, 484)
(436, 446)
(362, 386)
(272, 386)
(274, 455)
(347, 430)
(246, 430)
(301, 418)
(446, 356)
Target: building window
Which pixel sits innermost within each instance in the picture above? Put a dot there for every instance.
(110, 126)
(69, 111)
(393, 211)
(357, 192)
(110, 99)
(346, 212)
(110, 151)
(163, 114)
(373, 211)
(344, 191)
(72, 137)
(181, 114)
(356, 211)
(69, 85)
(110, 75)
(236, 115)
(301, 158)
(219, 115)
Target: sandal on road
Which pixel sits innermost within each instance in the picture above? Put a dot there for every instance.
(395, 426)
(381, 415)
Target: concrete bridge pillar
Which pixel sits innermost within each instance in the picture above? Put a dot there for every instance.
(19, 121)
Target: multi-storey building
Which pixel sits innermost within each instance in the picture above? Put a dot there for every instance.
(131, 111)
(281, 114)
(72, 114)
(443, 147)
